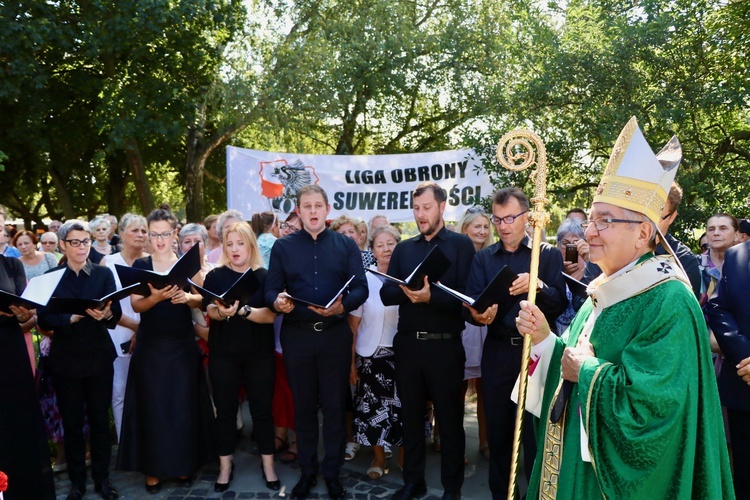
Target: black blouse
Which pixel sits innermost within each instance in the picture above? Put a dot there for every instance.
(237, 334)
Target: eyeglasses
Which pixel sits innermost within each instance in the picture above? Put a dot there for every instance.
(665, 217)
(162, 236)
(510, 219)
(49, 243)
(602, 223)
(290, 227)
(77, 243)
(475, 210)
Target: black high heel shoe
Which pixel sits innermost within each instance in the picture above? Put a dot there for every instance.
(271, 485)
(221, 487)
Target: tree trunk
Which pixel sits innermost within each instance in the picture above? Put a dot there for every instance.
(194, 166)
(142, 188)
(117, 169)
(63, 197)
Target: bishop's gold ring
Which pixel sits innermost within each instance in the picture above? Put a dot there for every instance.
(517, 319)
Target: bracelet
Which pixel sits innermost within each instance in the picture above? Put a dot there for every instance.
(221, 315)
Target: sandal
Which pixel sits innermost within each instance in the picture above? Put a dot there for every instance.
(388, 452)
(351, 451)
(289, 457)
(284, 444)
(376, 472)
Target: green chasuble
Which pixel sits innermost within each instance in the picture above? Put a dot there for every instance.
(648, 400)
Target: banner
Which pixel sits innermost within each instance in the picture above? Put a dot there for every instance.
(358, 186)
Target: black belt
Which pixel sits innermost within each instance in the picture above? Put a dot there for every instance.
(434, 336)
(318, 326)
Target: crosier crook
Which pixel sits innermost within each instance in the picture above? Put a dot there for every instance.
(518, 150)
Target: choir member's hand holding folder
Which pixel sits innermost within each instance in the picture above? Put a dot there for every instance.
(61, 305)
(433, 266)
(496, 292)
(241, 290)
(37, 293)
(320, 306)
(186, 267)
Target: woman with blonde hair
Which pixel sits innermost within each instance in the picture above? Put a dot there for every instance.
(477, 226)
(241, 342)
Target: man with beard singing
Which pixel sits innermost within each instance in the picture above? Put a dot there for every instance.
(429, 353)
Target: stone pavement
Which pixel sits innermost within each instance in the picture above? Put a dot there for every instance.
(248, 482)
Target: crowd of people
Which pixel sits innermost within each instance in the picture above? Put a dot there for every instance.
(622, 375)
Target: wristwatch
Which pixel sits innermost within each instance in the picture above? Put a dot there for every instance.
(245, 311)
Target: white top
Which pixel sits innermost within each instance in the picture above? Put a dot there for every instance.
(379, 322)
(121, 334)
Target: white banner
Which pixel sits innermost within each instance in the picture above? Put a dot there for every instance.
(359, 186)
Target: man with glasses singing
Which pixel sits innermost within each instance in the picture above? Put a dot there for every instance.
(626, 399)
(80, 361)
(501, 357)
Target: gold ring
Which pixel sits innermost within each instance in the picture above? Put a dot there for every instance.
(518, 319)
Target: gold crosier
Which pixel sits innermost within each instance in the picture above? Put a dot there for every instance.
(517, 150)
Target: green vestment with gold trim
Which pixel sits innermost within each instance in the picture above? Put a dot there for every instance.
(648, 401)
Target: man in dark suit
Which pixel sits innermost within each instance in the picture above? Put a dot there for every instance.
(729, 319)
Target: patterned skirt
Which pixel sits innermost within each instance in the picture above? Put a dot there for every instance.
(377, 408)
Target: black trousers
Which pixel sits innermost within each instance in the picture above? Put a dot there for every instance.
(90, 396)
(739, 430)
(431, 370)
(501, 364)
(317, 367)
(256, 370)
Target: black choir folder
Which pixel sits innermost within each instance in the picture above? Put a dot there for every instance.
(576, 287)
(433, 266)
(36, 294)
(496, 292)
(186, 267)
(241, 290)
(79, 306)
(330, 302)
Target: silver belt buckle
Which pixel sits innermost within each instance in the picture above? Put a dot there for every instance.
(516, 341)
(422, 335)
(318, 327)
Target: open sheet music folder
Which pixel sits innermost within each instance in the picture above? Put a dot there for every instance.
(79, 306)
(576, 287)
(37, 292)
(330, 302)
(186, 267)
(241, 290)
(496, 292)
(433, 266)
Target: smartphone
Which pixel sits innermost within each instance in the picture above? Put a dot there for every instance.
(125, 346)
(571, 253)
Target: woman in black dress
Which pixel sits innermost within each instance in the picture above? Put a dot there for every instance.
(24, 455)
(242, 353)
(165, 420)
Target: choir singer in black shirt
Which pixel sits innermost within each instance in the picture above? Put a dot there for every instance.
(501, 356)
(81, 360)
(428, 349)
(313, 265)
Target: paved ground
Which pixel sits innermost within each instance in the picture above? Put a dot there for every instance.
(248, 482)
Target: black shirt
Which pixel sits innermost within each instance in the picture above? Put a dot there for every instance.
(315, 270)
(13, 280)
(550, 298)
(83, 348)
(443, 313)
(237, 334)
